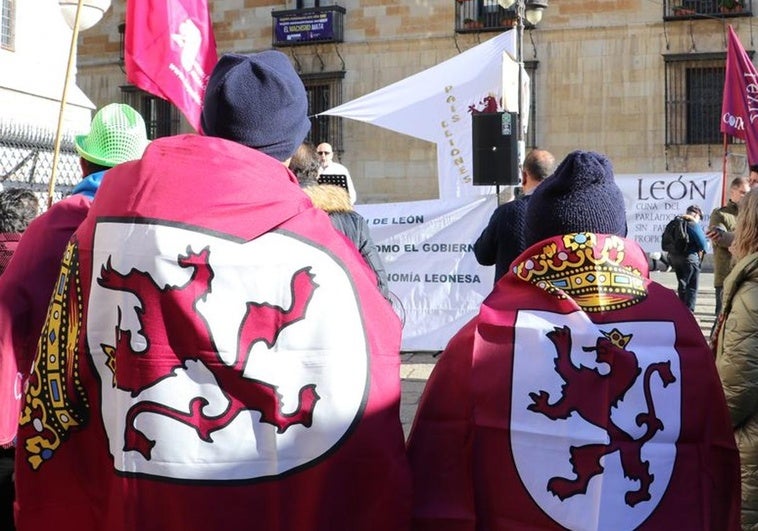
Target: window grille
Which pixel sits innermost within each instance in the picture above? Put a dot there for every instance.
(693, 92)
(7, 16)
(706, 9)
(324, 92)
(161, 117)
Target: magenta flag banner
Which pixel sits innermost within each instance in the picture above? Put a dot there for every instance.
(739, 108)
(170, 51)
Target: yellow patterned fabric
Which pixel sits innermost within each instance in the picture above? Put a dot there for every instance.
(597, 278)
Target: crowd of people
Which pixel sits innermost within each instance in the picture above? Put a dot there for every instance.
(199, 338)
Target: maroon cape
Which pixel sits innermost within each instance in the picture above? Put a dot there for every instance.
(25, 288)
(216, 356)
(583, 396)
(8, 244)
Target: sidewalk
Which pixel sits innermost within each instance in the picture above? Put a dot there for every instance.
(417, 366)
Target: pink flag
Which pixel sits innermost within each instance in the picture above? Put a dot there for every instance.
(170, 51)
(739, 108)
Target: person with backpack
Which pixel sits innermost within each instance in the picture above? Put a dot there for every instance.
(684, 241)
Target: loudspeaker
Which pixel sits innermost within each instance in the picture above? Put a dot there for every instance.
(495, 148)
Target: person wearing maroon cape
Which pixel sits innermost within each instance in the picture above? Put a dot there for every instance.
(216, 355)
(583, 395)
(117, 134)
(18, 207)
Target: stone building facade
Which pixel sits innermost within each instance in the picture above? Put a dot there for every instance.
(34, 50)
(630, 78)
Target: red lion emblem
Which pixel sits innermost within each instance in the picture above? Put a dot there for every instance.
(592, 395)
(170, 321)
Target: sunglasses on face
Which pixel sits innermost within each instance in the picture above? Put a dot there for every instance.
(324, 152)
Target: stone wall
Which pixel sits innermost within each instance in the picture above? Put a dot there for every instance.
(599, 80)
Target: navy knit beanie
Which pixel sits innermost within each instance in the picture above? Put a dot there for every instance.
(257, 100)
(581, 196)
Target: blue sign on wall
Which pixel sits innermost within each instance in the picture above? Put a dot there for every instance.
(305, 27)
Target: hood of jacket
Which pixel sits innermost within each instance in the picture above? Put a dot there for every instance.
(89, 185)
(329, 198)
(743, 271)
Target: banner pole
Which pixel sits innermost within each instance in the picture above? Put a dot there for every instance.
(723, 173)
(64, 95)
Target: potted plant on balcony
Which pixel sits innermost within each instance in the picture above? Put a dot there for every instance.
(470, 23)
(681, 11)
(509, 20)
(731, 6)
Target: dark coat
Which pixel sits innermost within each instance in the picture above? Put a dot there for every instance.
(336, 202)
(504, 237)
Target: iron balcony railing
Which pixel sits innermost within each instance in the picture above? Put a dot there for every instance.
(693, 9)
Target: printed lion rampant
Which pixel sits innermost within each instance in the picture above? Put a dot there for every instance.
(579, 394)
(168, 316)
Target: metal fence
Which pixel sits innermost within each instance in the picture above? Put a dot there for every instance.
(26, 160)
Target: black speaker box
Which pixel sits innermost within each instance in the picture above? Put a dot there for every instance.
(495, 148)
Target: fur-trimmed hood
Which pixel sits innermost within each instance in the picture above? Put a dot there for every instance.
(329, 198)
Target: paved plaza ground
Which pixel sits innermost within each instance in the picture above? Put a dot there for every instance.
(416, 366)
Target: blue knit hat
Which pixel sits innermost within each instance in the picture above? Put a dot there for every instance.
(257, 100)
(581, 196)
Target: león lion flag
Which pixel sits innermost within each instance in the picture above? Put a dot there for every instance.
(170, 51)
(583, 396)
(216, 357)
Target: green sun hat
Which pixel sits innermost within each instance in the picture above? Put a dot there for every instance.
(117, 134)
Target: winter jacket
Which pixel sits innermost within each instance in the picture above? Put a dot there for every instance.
(737, 363)
(726, 216)
(697, 237)
(335, 201)
(503, 239)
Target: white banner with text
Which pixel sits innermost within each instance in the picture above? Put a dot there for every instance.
(653, 199)
(427, 247)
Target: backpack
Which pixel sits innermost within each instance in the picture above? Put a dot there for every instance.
(675, 238)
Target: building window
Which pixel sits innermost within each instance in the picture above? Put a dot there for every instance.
(324, 92)
(694, 90)
(7, 15)
(305, 4)
(161, 118)
(482, 15)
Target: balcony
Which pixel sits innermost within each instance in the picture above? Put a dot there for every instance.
(313, 25)
(478, 16)
(694, 9)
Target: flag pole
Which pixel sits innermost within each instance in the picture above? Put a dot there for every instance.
(58, 132)
(723, 173)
